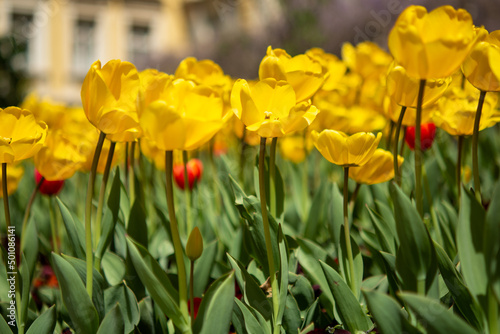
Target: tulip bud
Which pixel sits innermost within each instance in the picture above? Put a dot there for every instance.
(427, 134)
(194, 246)
(48, 188)
(194, 169)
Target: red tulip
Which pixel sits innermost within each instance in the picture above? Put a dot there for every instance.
(48, 188)
(427, 134)
(194, 169)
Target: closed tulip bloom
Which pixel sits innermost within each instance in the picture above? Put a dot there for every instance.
(14, 176)
(404, 89)
(379, 169)
(482, 65)
(21, 135)
(194, 245)
(109, 96)
(457, 111)
(184, 117)
(392, 110)
(344, 150)
(269, 108)
(432, 45)
(305, 74)
(60, 157)
(203, 72)
(428, 132)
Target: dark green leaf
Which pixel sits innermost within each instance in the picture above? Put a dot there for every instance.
(112, 322)
(122, 296)
(74, 229)
(45, 323)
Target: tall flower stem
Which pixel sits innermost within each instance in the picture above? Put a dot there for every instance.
(397, 177)
(176, 239)
(475, 144)
(347, 235)
(389, 138)
(187, 194)
(5, 194)
(53, 226)
(131, 175)
(88, 212)
(243, 158)
(191, 290)
(459, 166)
(272, 177)
(102, 192)
(27, 211)
(418, 150)
(267, 232)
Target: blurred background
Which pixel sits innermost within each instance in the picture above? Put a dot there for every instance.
(48, 46)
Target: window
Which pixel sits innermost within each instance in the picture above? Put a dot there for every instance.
(23, 31)
(84, 46)
(139, 44)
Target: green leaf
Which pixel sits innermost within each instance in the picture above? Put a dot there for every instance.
(250, 320)
(98, 284)
(385, 235)
(80, 308)
(74, 229)
(158, 284)
(390, 271)
(45, 323)
(203, 267)
(434, 317)
(214, 314)
(310, 314)
(112, 322)
(291, 317)
(302, 290)
(282, 276)
(350, 312)
(31, 248)
(335, 214)
(122, 296)
(279, 188)
(308, 255)
(415, 259)
(113, 268)
(470, 239)
(4, 326)
(491, 244)
(461, 295)
(388, 314)
(137, 227)
(315, 218)
(25, 291)
(252, 293)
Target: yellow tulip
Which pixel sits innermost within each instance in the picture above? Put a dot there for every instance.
(184, 117)
(292, 148)
(482, 65)
(336, 67)
(457, 111)
(404, 89)
(305, 74)
(109, 96)
(344, 150)
(392, 111)
(269, 108)
(54, 114)
(377, 170)
(14, 175)
(203, 72)
(432, 45)
(21, 135)
(60, 157)
(366, 59)
(153, 154)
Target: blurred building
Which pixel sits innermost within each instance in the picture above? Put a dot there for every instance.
(62, 38)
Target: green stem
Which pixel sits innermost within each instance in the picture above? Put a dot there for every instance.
(267, 231)
(243, 158)
(272, 177)
(88, 212)
(191, 290)
(176, 239)
(187, 194)
(418, 150)
(475, 144)
(305, 181)
(421, 286)
(350, 276)
(131, 175)
(389, 138)
(102, 192)
(53, 228)
(459, 167)
(402, 147)
(215, 180)
(397, 177)
(28, 211)
(127, 164)
(354, 196)
(5, 193)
